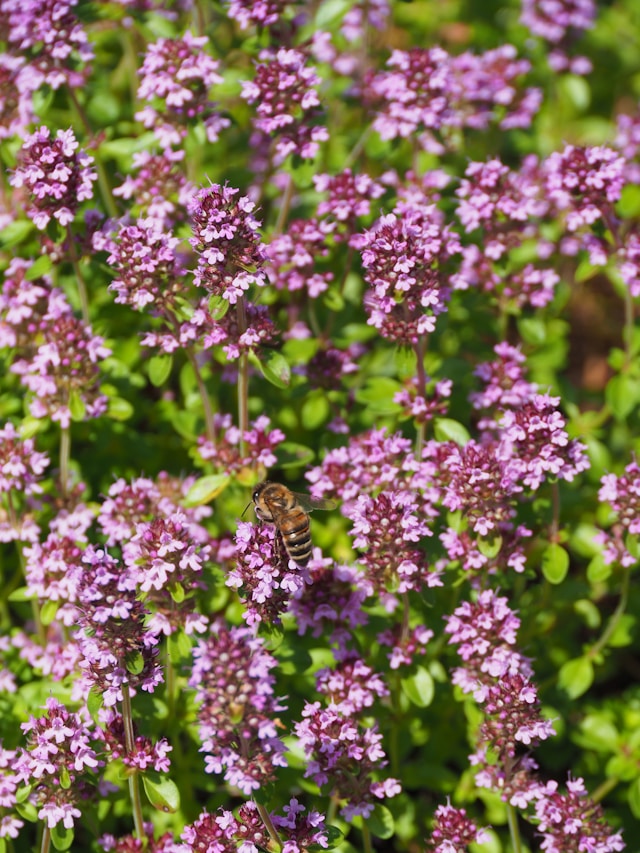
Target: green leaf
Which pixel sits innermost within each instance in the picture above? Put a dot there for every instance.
(206, 489)
(95, 703)
(177, 593)
(576, 90)
(333, 299)
(419, 687)
(163, 794)
(377, 395)
(330, 12)
(119, 409)
(489, 547)
(135, 663)
(555, 563)
(275, 369)
(22, 593)
(218, 307)
(589, 612)
(291, 455)
(380, 822)
(23, 793)
(48, 612)
(315, 410)
(532, 330)
(576, 677)
(65, 779)
(180, 647)
(629, 205)
(634, 798)
(77, 406)
(598, 732)
(39, 268)
(446, 429)
(27, 811)
(61, 837)
(621, 394)
(597, 570)
(15, 233)
(159, 369)
(623, 632)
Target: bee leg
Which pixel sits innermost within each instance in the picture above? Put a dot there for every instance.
(279, 551)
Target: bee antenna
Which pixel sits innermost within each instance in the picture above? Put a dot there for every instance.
(246, 508)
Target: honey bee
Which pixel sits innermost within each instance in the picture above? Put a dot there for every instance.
(289, 512)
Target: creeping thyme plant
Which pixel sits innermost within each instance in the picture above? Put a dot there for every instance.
(386, 254)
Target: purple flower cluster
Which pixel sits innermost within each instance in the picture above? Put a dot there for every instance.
(55, 174)
(344, 755)
(559, 22)
(453, 831)
(117, 647)
(292, 258)
(237, 708)
(621, 492)
(388, 528)
(299, 831)
(59, 763)
(283, 90)
(157, 187)
(176, 77)
(264, 574)
(584, 183)
(16, 108)
(427, 92)
(55, 354)
(50, 34)
(403, 255)
(165, 563)
(234, 450)
(227, 242)
(571, 822)
(501, 682)
(264, 13)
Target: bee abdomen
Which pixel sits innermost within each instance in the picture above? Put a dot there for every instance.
(297, 541)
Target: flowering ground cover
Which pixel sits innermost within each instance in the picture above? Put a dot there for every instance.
(383, 253)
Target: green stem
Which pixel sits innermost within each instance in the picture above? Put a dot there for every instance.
(616, 616)
(103, 180)
(170, 684)
(366, 838)
(82, 286)
(45, 843)
(514, 830)
(204, 396)
(35, 609)
(134, 780)
(243, 378)
(602, 790)
(65, 455)
(284, 207)
(555, 508)
(420, 350)
(266, 819)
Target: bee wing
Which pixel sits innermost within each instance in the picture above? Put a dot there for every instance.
(309, 503)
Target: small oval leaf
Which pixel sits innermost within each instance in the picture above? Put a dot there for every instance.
(275, 369)
(163, 794)
(206, 489)
(446, 429)
(159, 369)
(419, 687)
(61, 837)
(576, 677)
(555, 563)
